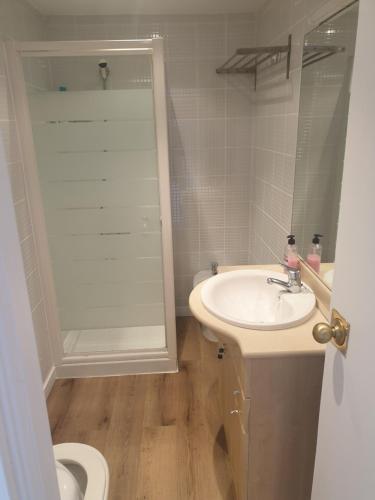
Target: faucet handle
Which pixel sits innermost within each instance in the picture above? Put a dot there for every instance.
(293, 272)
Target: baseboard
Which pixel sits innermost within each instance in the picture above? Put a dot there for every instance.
(49, 381)
(183, 311)
(116, 368)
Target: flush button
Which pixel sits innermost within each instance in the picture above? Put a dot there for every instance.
(337, 331)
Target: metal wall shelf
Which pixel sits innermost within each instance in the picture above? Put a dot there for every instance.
(248, 60)
(315, 53)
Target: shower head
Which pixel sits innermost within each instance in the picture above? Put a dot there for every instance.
(103, 71)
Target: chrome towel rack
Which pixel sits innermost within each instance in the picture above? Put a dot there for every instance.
(314, 53)
(248, 60)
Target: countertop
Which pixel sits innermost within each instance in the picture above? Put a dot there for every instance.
(260, 343)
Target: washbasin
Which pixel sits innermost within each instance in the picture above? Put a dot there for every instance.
(244, 298)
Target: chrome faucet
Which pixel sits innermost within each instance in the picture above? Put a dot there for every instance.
(294, 284)
(214, 266)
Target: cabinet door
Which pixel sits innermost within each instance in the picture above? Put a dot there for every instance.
(235, 418)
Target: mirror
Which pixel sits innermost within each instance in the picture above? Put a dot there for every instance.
(324, 102)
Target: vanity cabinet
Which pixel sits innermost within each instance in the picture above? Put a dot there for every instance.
(235, 407)
(270, 412)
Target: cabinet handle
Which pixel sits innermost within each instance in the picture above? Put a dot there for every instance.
(234, 412)
(236, 392)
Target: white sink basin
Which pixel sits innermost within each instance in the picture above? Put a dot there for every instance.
(244, 298)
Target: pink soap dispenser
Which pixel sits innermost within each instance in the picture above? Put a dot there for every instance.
(314, 256)
(291, 252)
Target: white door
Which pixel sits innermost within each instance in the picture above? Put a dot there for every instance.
(27, 467)
(345, 460)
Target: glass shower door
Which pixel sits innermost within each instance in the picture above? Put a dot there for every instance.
(94, 133)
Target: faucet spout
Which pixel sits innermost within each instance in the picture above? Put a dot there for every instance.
(293, 285)
(275, 281)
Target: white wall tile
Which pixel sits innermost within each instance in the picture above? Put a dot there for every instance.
(211, 213)
(182, 74)
(212, 103)
(43, 344)
(183, 104)
(207, 76)
(183, 134)
(212, 161)
(17, 182)
(211, 132)
(6, 107)
(236, 214)
(28, 254)
(34, 289)
(23, 219)
(239, 132)
(8, 133)
(211, 238)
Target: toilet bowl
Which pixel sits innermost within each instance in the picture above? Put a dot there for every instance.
(82, 472)
(206, 332)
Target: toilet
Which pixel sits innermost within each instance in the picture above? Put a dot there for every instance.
(82, 472)
(206, 332)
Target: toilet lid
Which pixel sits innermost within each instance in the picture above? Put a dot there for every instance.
(68, 486)
(94, 464)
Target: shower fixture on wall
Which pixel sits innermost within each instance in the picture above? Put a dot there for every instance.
(104, 72)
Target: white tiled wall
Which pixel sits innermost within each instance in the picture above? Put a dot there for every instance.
(19, 21)
(210, 124)
(277, 103)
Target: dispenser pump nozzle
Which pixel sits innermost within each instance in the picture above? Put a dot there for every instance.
(316, 239)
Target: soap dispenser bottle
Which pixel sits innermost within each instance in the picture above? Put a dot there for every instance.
(314, 256)
(291, 252)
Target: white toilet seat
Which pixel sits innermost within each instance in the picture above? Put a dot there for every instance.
(92, 462)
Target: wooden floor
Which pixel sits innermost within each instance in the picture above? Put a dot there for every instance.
(161, 434)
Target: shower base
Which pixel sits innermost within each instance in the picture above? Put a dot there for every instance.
(114, 339)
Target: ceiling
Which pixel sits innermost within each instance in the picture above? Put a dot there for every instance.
(116, 7)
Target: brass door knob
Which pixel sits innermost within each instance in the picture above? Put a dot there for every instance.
(338, 330)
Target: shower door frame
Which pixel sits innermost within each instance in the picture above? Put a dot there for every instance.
(100, 363)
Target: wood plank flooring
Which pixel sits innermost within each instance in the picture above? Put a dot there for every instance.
(162, 435)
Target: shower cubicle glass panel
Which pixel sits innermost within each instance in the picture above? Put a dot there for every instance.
(94, 134)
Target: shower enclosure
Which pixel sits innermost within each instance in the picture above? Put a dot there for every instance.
(95, 143)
